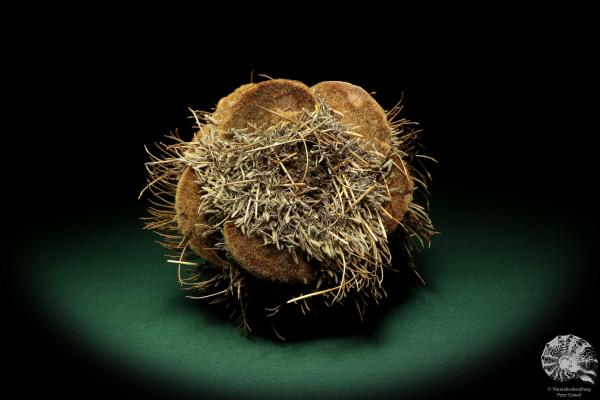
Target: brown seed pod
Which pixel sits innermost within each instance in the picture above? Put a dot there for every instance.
(266, 261)
(191, 224)
(359, 109)
(256, 104)
(259, 105)
(401, 190)
(264, 103)
(226, 103)
(295, 186)
(187, 203)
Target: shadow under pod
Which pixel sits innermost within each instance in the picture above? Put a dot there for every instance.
(337, 320)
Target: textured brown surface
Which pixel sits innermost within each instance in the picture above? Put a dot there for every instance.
(287, 98)
(188, 192)
(401, 188)
(226, 103)
(235, 111)
(266, 261)
(363, 112)
(278, 95)
(359, 109)
(187, 203)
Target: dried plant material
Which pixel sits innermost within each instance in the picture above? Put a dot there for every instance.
(264, 103)
(274, 101)
(191, 223)
(189, 220)
(358, 109)
(225, 104)
(293, 188)
(400, 196)
(266, 261)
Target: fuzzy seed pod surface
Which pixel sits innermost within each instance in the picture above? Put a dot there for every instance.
(292, 190)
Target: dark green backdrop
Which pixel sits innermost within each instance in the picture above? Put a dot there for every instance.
(500, 272)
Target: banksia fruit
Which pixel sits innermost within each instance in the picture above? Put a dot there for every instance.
(291, 191)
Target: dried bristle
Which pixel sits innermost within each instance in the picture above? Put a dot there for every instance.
(266, 261)
(201, 132)
(359, 109)
(285, 98)
(259, 104)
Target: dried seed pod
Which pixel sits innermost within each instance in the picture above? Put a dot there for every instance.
(359, 109)
(260, 104)
(226, 103)
(191, 224)
(401, 190)
(281, 174)
(187, 203)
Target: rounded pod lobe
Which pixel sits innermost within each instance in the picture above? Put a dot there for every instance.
(401, 190)
(187, 199)
(226, 103)
(260, 104)
(266, 261)
(360, 109)
(190, 222)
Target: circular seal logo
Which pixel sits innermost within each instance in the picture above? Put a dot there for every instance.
(570, 357)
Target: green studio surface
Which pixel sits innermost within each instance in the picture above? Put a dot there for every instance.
(494, 274)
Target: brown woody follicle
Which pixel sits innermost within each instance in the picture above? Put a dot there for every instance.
(187, 199)
(361, 110)
(266, 261)
(280, 174)
(253, 106)
(401, 191)
(259, 104)
(191, 223)
(249, 104)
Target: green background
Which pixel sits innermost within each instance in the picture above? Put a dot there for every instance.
(499, 271)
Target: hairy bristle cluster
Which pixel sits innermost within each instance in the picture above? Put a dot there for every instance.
(308, 185)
